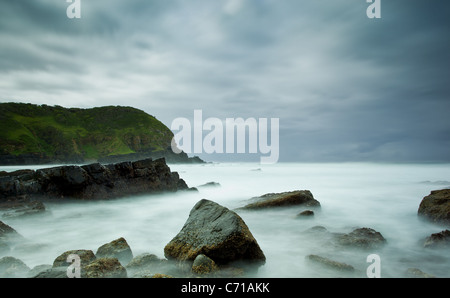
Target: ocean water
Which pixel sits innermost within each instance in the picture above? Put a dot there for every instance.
(384, 197)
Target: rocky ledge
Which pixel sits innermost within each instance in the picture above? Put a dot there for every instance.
(90, 182)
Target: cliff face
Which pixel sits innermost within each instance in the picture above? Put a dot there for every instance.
(90, 182)
(33, 134)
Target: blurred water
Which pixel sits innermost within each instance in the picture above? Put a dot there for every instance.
(384, 197)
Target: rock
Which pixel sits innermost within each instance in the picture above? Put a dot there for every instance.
(39, 269)
(305, 214)
(104, 268)
(159, 275)
(56, 272)
(118, 248)
(438, 240)
(86, 257)
(285, 199)
(417, 273)
(8, 237)
(365, 238)
(436, 207)
(89, 182)
(11, 267)
(143, 260)
(22, 207)
(210, 184)
(204, 265)
(217, 232)
(330, 263)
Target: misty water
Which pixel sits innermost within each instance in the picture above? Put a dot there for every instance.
(384, 197)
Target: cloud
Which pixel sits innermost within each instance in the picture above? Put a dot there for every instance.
(344, 87)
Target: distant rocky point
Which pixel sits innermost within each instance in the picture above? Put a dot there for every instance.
(41, 134)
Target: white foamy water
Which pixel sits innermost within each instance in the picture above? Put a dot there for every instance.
(384, 197)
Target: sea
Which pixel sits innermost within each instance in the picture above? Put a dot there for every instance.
(380, 196)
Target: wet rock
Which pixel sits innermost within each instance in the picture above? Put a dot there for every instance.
(91, 182)
(365, 238)
(86, 257)
(118, 248)
(217, 232)
(8, 238)
(203, 265)
(210, 184)
(438, 240)
(330, 263)
(285, 199)
(22, 207)
(11, 267)
(436, 207)
(104, 268)
(305, 214)
(54, 272)
(36, 270)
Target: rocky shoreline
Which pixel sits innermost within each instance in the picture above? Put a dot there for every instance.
(214, 242)
(89, 182)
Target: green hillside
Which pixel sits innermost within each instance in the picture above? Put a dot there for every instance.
(90, 134)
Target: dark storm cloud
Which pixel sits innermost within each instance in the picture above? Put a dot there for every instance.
(344, 87)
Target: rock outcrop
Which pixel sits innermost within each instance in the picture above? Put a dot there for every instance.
(436, 207)
(91, 182)
(285, 199)
(216, 232)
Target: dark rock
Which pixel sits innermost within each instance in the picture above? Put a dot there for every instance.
(305, 214)
(203, 265)
(93, 181)
(436, 207)
(104, 268)
(22, 207)
(217, 232)
(285, 199)
(365, 238)
(118, 248)
(330, 263)
(11, 267)
(210, 184)
(438, 240)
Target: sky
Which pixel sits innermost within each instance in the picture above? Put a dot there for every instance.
(344, 87)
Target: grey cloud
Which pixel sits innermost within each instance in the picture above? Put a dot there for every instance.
(344, 87)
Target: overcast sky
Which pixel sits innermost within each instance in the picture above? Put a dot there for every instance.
(345, 87)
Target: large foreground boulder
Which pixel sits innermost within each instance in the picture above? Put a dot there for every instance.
(436, 207)
(293, 198)
(216, 232)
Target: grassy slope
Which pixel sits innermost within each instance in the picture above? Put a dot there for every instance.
(91, 133)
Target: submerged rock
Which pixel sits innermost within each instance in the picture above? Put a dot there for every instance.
(285, 199)
(217, 232)
(365, 238)
(436, 207)
(330, 263)
(11, 267)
